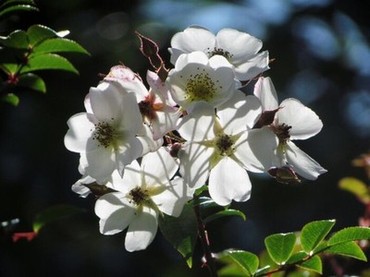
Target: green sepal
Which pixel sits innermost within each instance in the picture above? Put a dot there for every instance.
(280, 247)
(313, 234)
(181, 232)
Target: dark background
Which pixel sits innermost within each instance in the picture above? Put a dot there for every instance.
(322, 57)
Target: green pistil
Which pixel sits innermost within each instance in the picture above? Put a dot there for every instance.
(200, 87)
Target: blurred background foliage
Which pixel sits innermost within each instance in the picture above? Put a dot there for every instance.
(322, 57)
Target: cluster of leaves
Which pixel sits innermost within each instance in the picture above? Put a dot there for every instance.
(24, 52)
(285, 251)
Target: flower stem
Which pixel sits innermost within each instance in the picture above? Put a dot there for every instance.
(203, 236)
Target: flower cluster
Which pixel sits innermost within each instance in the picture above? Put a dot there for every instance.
(143, 151)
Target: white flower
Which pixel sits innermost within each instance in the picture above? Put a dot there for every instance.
(144, 192)
(198, 78)
(105, 136)
(240, 49)
(157, 107)
(291, 121)
(218, 147)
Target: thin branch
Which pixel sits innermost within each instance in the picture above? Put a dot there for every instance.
(203, 235)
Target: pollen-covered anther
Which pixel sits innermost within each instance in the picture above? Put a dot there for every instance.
(200, 87)
(224, 145)
(282, 132)
(138, 196)
(104, 134)
(220, 51)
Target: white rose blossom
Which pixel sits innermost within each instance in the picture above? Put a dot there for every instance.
(291, 121)
(239, 48)
(105, 135)
(198, 78)
(142, 195)
(218, 148)
(158, 109)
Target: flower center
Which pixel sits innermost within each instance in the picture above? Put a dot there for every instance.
(220, 51)
(224, 145)
(282, 132)
(200, 87)
(139, 196)
(104, 134)
(146, 110)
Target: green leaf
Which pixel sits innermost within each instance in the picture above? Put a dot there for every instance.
(33, 82)
(17, 39)
(39, 33)
(226, 212)
(312, 264)
(48, 61)
(59, 45)
(52, 214)
(314, 232)
(246, 262)
(181, 232)
(350, 234)
(16, 6)
(350, 249)
(205, 202)
(280, 247)
(356, 187)
(11, 98)
(297, 257)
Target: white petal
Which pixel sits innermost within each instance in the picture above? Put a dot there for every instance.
(100, 163)
(194, 164)
(148, 144)
(229, 181)
(126, 152)
(129, 116)
(105, 101)
(172, 200)
(114, 213)
(80, 188)
(239, 112)
(253, 67)
(264, 89)
(166, 121)
(159, 167)
(191, 39)
(142, 230)
(130, 180)
(240, 45)
(255, 149)
(304, 121)
(127, 80)
(303, 164)
(80, 130)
